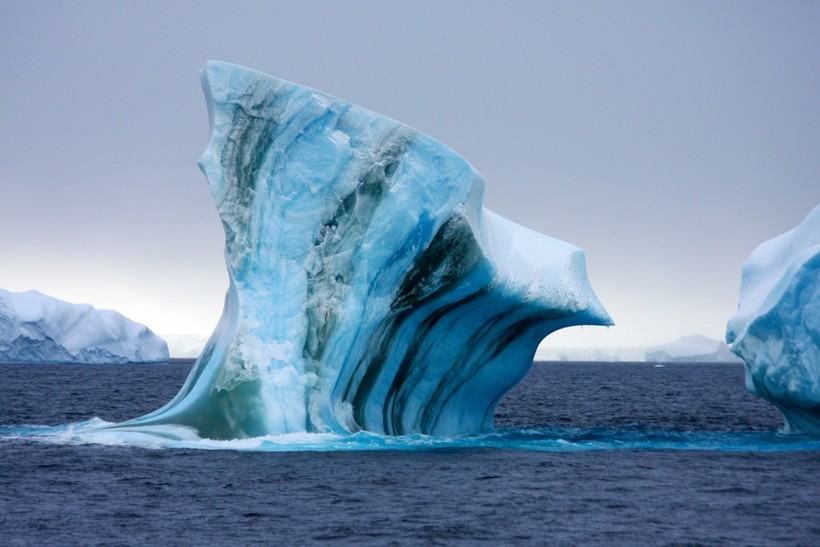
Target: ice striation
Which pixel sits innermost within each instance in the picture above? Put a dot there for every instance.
(776, 330)
(369, 289)
(35, 328)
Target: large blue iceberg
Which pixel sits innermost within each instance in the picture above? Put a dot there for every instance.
(369, 289)
(776, 330)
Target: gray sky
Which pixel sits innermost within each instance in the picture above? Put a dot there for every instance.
(667, 139)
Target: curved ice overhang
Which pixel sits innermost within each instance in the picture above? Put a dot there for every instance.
(540, 269)
(369, 288)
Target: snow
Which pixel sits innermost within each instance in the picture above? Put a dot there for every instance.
(776, 330)
(35, 328)
(369, 288)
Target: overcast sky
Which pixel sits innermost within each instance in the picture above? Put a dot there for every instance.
(667, 139)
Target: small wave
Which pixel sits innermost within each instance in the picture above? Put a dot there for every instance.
(96, 431)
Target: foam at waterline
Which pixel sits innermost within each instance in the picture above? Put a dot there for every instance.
(93, 432)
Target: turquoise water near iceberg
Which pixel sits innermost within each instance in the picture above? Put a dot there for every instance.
(561, 407)
(537, 439)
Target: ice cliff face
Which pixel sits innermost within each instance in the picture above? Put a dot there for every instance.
(368, 287)
(35, 328)
(776, 330)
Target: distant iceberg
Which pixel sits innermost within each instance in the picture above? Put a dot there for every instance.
(35, 328)
(185, 346)
(583, 355)
(776, 330)
(369, 289)
(688, 349)
(692, 349)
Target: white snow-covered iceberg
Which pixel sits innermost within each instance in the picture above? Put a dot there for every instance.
(35, 328)
(369, 289)
(691, 349)
(776, 330)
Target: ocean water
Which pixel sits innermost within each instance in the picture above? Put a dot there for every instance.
(592, 453)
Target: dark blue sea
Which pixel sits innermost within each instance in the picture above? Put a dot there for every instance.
(584, 453)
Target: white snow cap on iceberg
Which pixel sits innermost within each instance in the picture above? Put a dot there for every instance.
(35, 328)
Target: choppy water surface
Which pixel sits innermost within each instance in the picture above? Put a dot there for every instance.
(585, 453)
